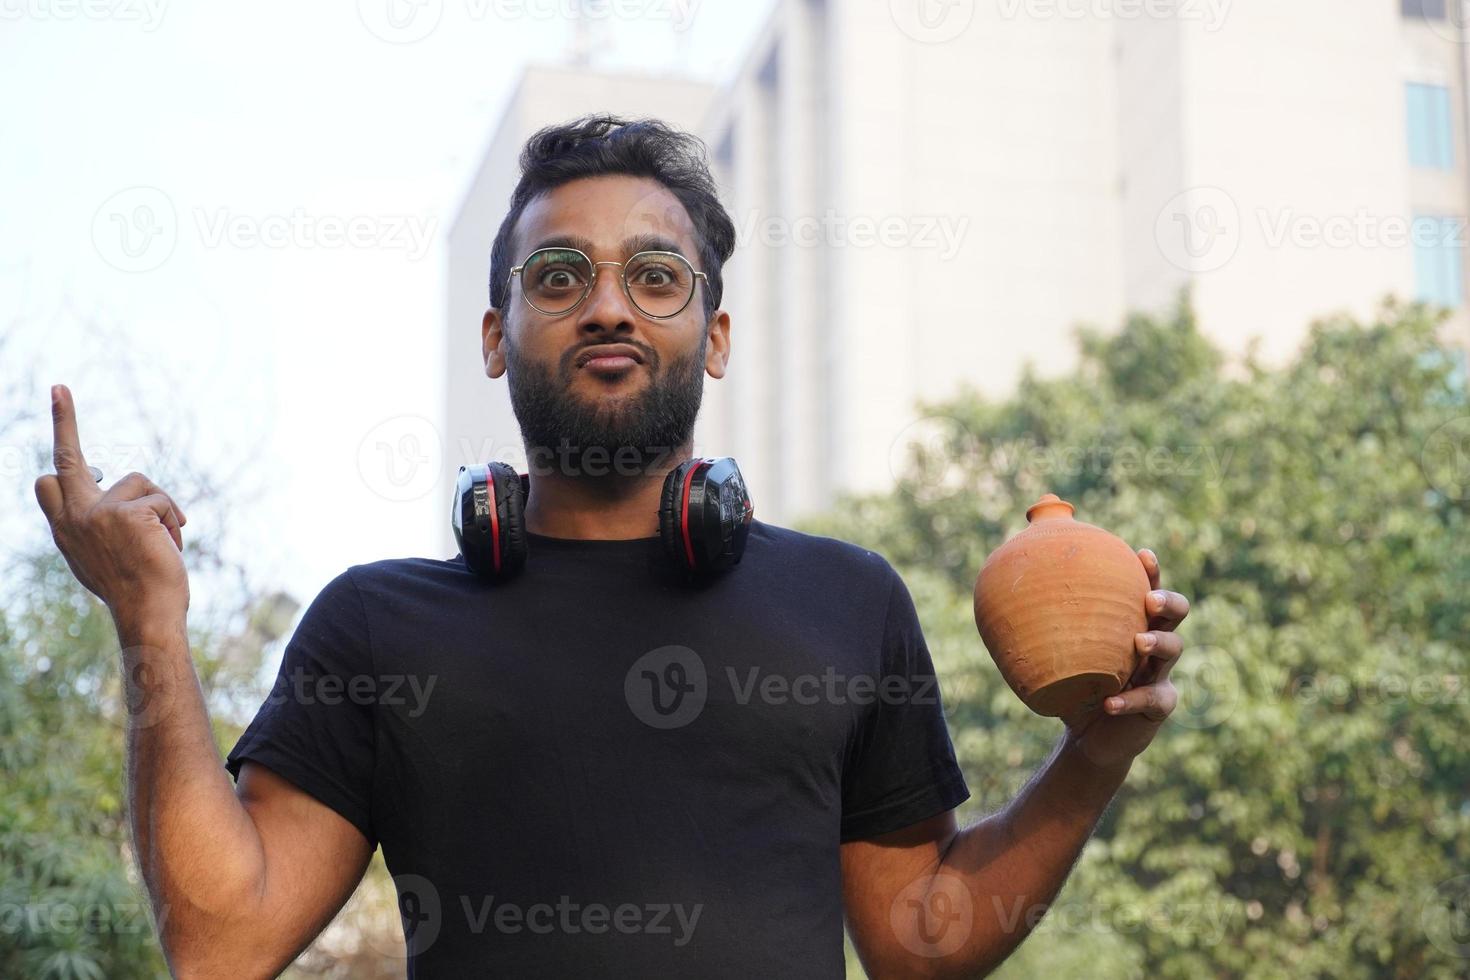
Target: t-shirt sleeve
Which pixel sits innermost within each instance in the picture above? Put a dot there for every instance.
(901, 767)
(316, 727)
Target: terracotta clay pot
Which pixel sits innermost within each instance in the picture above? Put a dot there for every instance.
(1057, 606)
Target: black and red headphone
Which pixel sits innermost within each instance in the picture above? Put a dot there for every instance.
(703, 517)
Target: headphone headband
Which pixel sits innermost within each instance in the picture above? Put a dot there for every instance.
(704, 517)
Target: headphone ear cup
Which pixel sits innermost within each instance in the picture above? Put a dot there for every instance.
(510, 508)
(671, 515)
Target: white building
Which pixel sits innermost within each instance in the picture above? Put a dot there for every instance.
(932, 194)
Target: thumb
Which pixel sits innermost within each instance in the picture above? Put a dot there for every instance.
(48, 495)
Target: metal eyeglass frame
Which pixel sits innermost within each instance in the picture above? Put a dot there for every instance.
(592, 283)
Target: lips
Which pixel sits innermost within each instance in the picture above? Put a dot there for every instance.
(609, 356)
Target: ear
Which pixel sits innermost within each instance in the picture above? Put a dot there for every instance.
(717, 352)
(492, 332)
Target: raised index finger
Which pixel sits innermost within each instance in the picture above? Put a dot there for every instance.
(66, 453)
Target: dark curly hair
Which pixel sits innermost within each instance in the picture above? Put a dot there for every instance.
(596, 145)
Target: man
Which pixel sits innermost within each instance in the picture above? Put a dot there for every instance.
(501, 741)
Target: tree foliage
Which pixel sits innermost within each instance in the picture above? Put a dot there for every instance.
(1306, 812)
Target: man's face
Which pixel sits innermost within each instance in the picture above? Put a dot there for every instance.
(631, 413)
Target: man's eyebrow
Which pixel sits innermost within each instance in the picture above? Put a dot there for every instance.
(637, 243)
(565, 241)
(650, 243)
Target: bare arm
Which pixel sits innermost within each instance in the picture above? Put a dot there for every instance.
(239, 884)
(935, 901)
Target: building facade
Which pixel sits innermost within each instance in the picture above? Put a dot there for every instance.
(932, 194)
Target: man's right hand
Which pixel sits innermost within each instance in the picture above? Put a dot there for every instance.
(125, 544)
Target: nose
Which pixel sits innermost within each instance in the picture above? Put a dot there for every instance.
(606, 306)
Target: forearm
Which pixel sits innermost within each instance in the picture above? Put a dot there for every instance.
(1014, 862)
(199, 853)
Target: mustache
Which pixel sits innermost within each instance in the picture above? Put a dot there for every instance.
(569, 356)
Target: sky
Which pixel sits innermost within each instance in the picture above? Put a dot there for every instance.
(224, 229)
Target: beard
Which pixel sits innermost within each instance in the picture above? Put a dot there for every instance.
(634, 436)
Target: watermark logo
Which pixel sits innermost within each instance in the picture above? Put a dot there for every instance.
(407, 233)
(926, 458)
(1209, 13)
(933, 916)
(400, 21)
(941, 233)
(1446, 459)
(1210, 687)
(148, 13)
(136, 229)
(1446, 916)
(409, 21)
(1199, 229)
(932, 21)
(667, 688)
(399, 458)
(1447, 18)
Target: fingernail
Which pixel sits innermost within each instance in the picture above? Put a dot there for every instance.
(1158, 598)
(56, 393)
(1147, 641)
(1114, 704)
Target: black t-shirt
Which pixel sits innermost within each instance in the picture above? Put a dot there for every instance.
(595, 770)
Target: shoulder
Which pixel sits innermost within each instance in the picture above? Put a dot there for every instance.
(832, 557)
(402, 577)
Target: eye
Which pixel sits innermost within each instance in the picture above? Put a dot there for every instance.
(559, 278)
(654, 277)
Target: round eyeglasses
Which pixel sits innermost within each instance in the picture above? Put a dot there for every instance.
(555, 281)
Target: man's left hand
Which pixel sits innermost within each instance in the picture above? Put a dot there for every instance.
(1128, 720)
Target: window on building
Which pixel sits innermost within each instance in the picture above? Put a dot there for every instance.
(1428, 9)
(1430, 128)
(1439, 259)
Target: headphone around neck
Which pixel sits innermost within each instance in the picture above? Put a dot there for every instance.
(703, 517)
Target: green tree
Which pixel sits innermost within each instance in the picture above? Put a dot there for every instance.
(1306, 812)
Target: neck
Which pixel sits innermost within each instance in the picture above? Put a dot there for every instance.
(611, 507)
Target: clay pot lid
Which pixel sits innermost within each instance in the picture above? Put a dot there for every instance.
(1049, 507)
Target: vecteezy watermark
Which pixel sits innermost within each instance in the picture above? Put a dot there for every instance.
(1383, 687)
(932, 457)
(672, 919)
(831, 686)
(1122, 459)
(1450, 19)
(943, 233)
(390, 690)
(1210, 687)
(669, 687)
(408, 21)
(424, 913)
(146, 13)
(933, 916)
(1209, 13)
(1207, 922)
(70, 918)
(141, 695)
(1202, 230)
(1446, 916)
(1361, 229)
(114, 459)
(1445, 459)
(927, 457)
(400, 458)
(408, 233)
(1198, 230)
(138, 228)
(932, 21)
